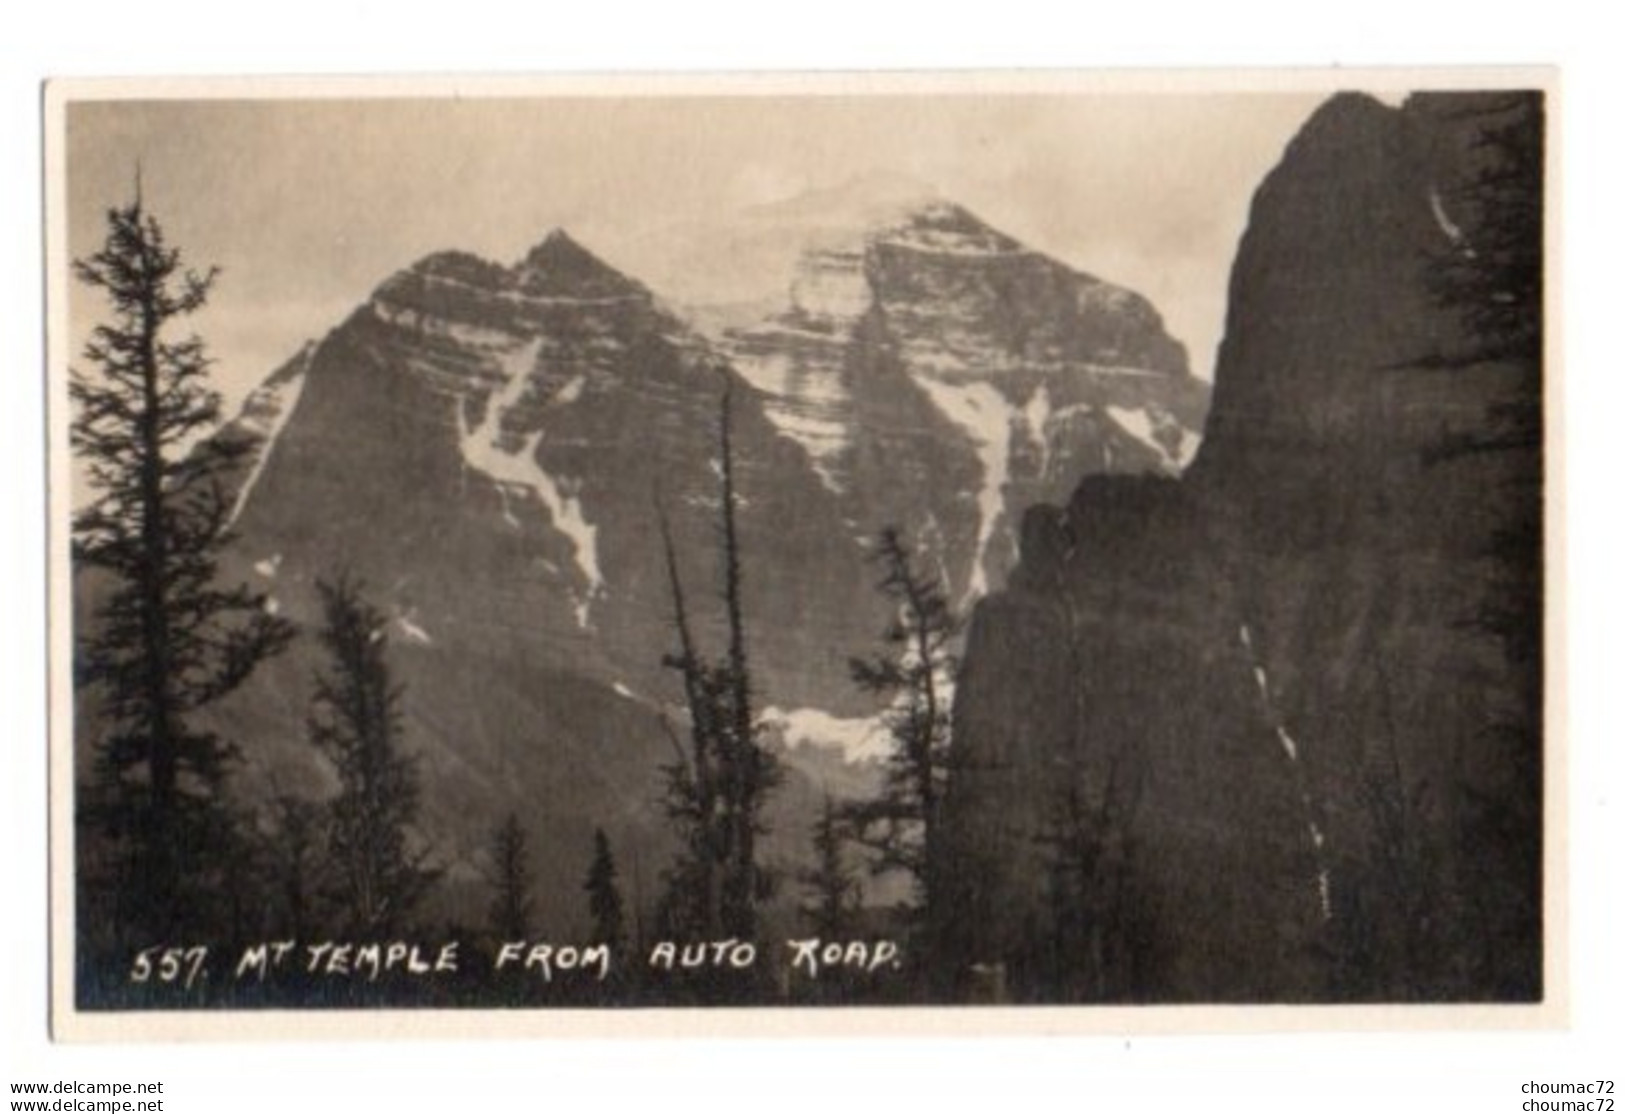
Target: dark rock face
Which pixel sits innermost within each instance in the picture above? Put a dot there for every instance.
(1108, 727)
(1299, 702)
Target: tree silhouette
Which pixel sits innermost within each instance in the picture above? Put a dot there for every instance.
(355, 721)
(693, 898)
(915, 673)
(604, 895)
(292, 853)
(833, 890)
(716, 789)
(164, 641)
(509, 878)
(1493, 281)
(1492, 273)
(1085, 951)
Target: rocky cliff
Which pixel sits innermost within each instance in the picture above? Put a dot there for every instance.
(1273, 732)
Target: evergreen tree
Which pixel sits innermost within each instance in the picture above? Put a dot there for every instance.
(604, 895)
(165, 641)
(693, 901)
(292, 856)
(1492, 274)
(1492, 279)
(509, 876)
(833, 890)
(716, 790)
(355, 721)
(749, 771)
(914, 673)
(1085, 949)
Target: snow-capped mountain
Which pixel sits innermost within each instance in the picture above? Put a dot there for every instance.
(490, 449)
(492, 446)
(927, 351)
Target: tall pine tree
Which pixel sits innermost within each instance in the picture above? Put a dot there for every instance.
(604, 902)
(509, 877)
(717, 789)
(164, 640)
(290, 853)
(355, 720)
(834, 894)
(1492, 279)
(1492, 274)
(914, 672)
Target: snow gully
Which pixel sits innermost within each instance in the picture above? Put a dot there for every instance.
(1317, 838)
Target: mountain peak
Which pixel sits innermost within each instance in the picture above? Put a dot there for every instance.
(556, 242)
(560, 266)
(460, 265)
(942, 225)
(942, 213)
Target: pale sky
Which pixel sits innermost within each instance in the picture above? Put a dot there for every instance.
(307, 205)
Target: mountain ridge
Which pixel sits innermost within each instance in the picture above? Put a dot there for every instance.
(486, 447)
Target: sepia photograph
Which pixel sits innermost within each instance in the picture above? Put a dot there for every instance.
(1014, 548)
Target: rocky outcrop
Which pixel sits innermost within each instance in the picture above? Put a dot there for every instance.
(1294, 702)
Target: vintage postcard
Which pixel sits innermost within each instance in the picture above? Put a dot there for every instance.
(961, 552)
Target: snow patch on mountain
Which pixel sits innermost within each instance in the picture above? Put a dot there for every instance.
(858, 739)
(985, 415)
(1124, 369)
(778, 328)
(482, 448)
(806, 404)
(571, 391)
(563, 503)
(468, 334)
(1317, 838)
(1155, 428)
(1138, 425)
(1189, 442)
(411, 631)
(943, 228)
(928, 245)
(1037, 416)
(482, 444)
(522, 297)
(265, 414)
(1450, 228)
(507, 505)
(1288, 744)
(832, 285)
